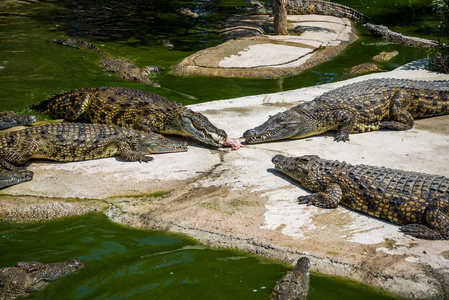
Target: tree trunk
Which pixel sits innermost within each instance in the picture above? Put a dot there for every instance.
(280, 17)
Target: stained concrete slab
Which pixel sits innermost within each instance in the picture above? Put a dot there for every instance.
(250, 52)
(236, 199)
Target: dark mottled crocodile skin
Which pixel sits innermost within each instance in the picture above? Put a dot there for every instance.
(294, 284)
(418, 201)
(27, 277)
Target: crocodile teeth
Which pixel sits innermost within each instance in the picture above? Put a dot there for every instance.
(264, 137)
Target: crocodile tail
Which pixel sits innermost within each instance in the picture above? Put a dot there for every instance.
(43, 106)
(54, 106)
(330, 9)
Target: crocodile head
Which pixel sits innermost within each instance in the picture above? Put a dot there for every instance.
(157, 143)
(10, 119)
(301, 168)
(49, 272)
(291, 124)
(11, 177)
(195, 125)
(259, 8)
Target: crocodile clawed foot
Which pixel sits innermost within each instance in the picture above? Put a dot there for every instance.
(304, 200)
(341, 137)
(146, 159)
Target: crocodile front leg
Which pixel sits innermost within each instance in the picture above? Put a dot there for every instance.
(400, 118)
(330, 198)
(130, 155)
(346, 121)
(437, 219)
(144, 124)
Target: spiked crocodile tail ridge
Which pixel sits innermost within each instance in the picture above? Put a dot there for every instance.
(418, 201)
(306, 7)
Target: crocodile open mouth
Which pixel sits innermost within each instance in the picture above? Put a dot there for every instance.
(262, 137)
(12, 177)
(166, 145)
(208, 137)
(174, 148)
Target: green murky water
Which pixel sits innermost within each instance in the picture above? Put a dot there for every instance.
(125, 263)
(33, 69)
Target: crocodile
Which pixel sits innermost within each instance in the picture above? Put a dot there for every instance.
(10, 177)
(132, 108)
(185, 11)
(385, 56)
(124, 68)
(306, 7)
(27, 277)
(372, 66)
(295, 284)
(418, 201)
(10, 119)
(363, 68)
(385, 33)
(358, 107)
(77, 141)
(127, 70)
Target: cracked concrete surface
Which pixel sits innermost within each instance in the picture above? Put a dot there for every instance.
(236, 199)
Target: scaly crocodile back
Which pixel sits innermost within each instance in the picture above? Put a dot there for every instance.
(370, 97)
(394, 195)
(106, 105)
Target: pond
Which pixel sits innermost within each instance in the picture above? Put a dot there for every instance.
(128, 263)
(34, 69)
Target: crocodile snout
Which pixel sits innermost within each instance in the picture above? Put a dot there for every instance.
(249, 133)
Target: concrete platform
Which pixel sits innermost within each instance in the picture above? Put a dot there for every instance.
(236, 199)
(250, 52)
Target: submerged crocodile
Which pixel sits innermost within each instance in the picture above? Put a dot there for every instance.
(364, 68)
(10, 119)
(10, 177)
(359, 107)
(385, 33)
(132, 108)
(306, 7)
(372, 66)
(77, 141)
(124, 68)
(27, 277)
(418, 201)
(295, 284)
